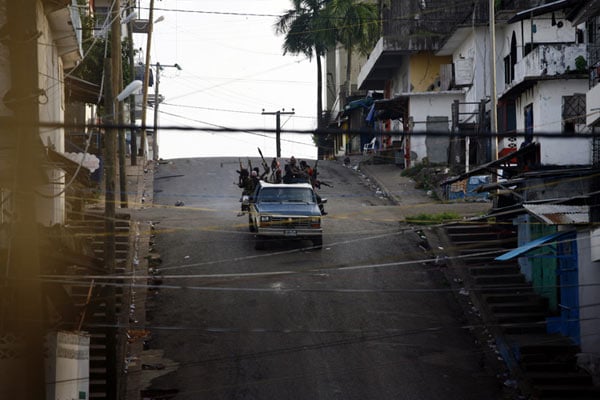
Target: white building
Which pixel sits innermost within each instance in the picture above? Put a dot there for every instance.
(59, 49)
(542, 81)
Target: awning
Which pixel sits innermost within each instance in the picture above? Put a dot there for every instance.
(560, 214)
(83, 91)
(390, 108)
(71, 167)
(364, 102)
(527, 247)
(541, 10)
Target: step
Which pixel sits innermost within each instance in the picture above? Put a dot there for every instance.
(513, 288)
(499, 279)
(520, 317)
(499, 298)
(548, 366)
(494, 269)
(580, 392)
(531, 306)
(554, 347)
(578, 378)
(469, 228)
(526, 328)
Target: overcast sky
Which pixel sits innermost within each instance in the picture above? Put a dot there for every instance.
(233, 68)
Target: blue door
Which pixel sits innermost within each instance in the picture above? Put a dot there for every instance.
(567, 323)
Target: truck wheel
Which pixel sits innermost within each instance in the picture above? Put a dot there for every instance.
(318, 242)
(250, 224)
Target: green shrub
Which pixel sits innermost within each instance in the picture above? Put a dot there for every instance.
(432, 219)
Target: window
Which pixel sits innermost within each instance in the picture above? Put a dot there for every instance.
(528, 111)
(573, 113)
(510, 60)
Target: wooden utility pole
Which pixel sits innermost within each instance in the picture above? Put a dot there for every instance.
(133, 133)
(278, 115)
(22, 301)
(110, 144)
(159, 67)
(147, 77)
(119, 109)
(493, 99)
(156, 103)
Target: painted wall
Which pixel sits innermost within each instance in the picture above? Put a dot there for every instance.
(475, 48)
(546, 98)
(51, 206)
(400, 80)
(423, 105)
(425, 71)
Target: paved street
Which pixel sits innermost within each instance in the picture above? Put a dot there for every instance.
(363, 318)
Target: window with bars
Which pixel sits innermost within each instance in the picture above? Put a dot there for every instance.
(573, 113)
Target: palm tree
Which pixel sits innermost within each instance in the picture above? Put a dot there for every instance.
(357, 27)
(309, 34)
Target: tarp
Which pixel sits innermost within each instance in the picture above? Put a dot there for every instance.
(527, 247)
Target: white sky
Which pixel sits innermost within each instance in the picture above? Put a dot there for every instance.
(233, 68)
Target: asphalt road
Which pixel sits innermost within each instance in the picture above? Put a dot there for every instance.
(362, 318)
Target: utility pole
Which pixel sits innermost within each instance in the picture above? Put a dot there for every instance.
(159, 67)
(120, 109)
(109, 204)
(278, 115)
(147, 78)
(493, 100)
(22, 327)
(156, 103)
(133, 133)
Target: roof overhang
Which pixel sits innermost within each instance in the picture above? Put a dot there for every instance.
(542, 9)
(534, 244)
(72, 168)
(583, 11)
(396, 108)
(83, 91)
(488, 167)
(65, 24)
(530, 81)
(380, 66)
(560, 214)
(457, 38)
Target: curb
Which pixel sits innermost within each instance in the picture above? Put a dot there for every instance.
(388, 193)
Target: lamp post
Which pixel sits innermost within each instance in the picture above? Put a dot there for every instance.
(158, 67)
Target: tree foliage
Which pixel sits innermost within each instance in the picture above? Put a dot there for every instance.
(95, 49)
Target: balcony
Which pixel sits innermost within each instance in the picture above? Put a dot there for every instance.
(408, 27)
(545, 62)
(383, 61)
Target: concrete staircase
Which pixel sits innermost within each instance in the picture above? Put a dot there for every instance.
(546, 363)
(91, 229)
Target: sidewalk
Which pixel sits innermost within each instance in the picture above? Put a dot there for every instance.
(401, 190)
(140, 181)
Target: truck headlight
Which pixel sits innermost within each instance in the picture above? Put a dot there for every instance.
(265, 218)
(315, 222)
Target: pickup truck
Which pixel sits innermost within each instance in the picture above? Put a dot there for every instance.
(285, 211)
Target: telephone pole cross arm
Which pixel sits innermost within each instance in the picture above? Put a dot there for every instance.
(278, 115)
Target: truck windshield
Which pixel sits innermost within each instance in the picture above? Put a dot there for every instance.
(285, 195)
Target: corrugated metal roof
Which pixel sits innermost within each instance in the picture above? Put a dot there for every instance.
(559, 214)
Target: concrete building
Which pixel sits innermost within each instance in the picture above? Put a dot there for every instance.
(59, 50)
